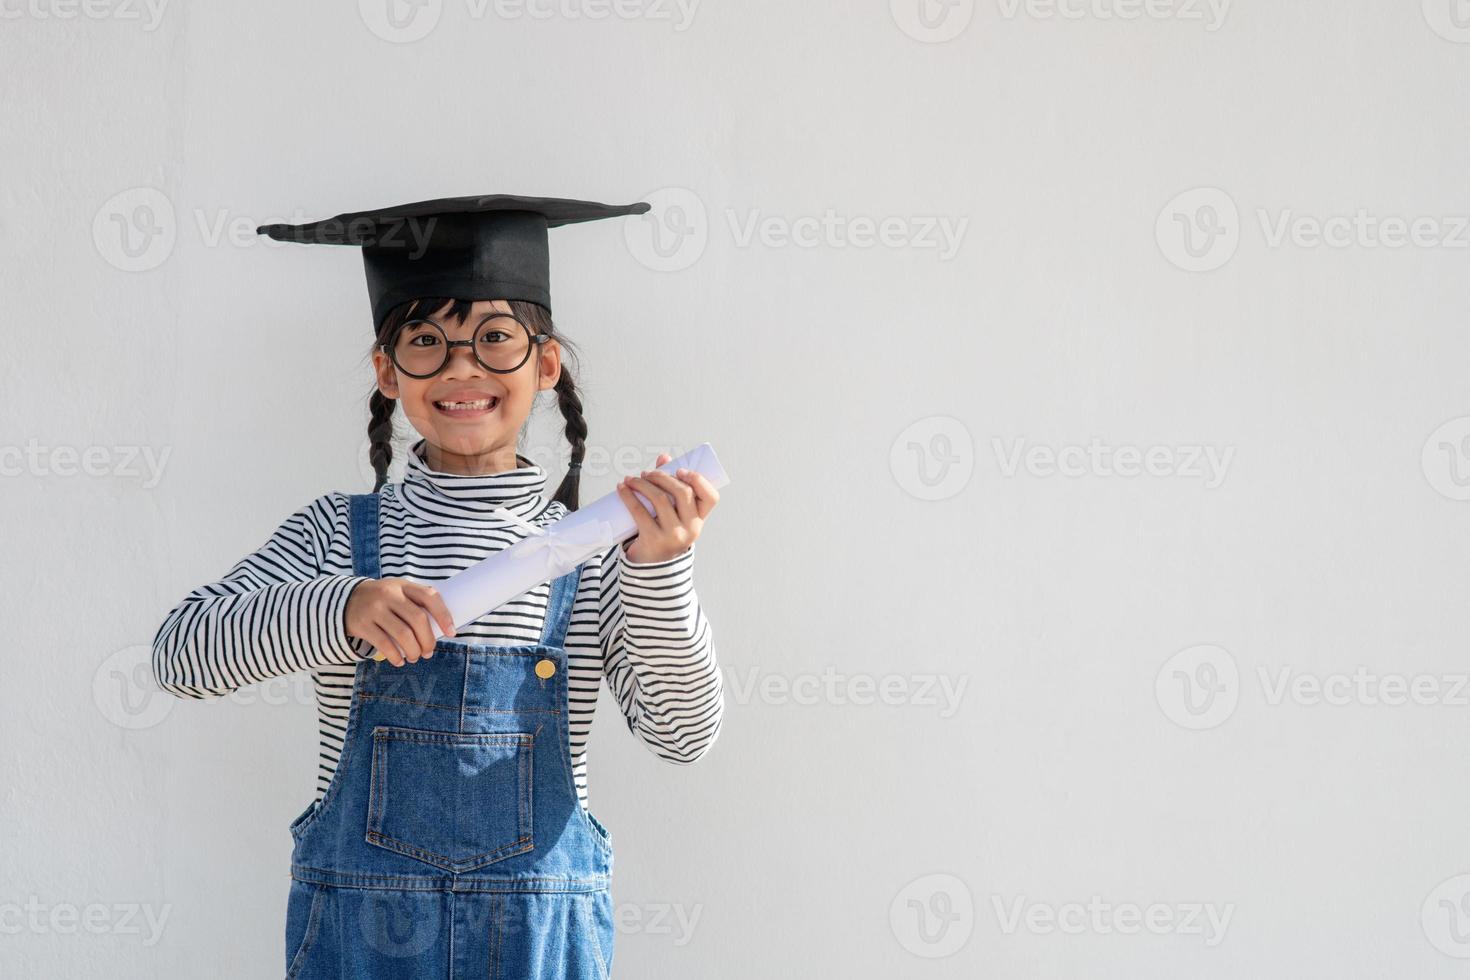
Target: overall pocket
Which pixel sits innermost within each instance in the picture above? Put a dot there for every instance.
(595, 912)
(455, 800)
(304, 911)
(298, 826)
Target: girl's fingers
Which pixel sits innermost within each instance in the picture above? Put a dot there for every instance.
(383, 643)
(640, 513)
(681, 492)
(660, 500)
(705, 494)
(400, 632)
(429, 598)
(412, 615)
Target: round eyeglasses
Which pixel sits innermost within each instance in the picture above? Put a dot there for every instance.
(501, 343)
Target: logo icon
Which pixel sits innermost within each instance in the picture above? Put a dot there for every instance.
(1199, 230)
(1198, 687)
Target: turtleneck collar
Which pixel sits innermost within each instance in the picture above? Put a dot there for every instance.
(454, 498)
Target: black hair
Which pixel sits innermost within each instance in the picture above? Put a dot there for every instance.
(569, 400)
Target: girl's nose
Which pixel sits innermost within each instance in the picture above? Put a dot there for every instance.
(462, 362)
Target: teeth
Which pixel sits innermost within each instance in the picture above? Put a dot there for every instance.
(482, 403)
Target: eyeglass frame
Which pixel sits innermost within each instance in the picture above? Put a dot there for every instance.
(535, 339)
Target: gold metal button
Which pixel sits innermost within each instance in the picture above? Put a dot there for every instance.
(545, 668)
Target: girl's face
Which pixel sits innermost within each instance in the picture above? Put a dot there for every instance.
(479, 437)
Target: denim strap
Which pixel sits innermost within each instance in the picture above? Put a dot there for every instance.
(364, 508)
(559, 608)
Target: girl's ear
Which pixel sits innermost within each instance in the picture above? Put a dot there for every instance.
(549, 366)
(387, 377)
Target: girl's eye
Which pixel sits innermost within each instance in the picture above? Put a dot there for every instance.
(429, 340)
(494, 336)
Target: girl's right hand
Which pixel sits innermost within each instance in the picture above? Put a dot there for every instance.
(393, 615)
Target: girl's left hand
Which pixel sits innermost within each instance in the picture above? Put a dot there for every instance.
(681, 503)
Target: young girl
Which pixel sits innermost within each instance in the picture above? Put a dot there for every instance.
(450, 833)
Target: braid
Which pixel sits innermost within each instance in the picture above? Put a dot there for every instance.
(380, 433)
(570, 402)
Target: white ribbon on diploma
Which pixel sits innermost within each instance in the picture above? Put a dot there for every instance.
(564, 550)
(548, 552)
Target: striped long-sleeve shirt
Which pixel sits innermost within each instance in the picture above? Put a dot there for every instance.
(282, 609)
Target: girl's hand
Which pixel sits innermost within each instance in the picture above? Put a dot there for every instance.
(681, 503)
(393, 615)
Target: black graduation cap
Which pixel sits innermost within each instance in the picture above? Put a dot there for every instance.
(487, 247)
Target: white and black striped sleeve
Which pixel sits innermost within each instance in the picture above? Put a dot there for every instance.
(272, 615)
(659, 654)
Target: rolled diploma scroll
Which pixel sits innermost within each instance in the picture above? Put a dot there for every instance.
(552, 551)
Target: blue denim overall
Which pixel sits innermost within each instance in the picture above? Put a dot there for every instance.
(450, 842)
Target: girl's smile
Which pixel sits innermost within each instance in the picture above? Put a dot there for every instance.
(466, 404)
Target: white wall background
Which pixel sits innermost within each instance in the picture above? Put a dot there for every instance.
(1134, 736)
